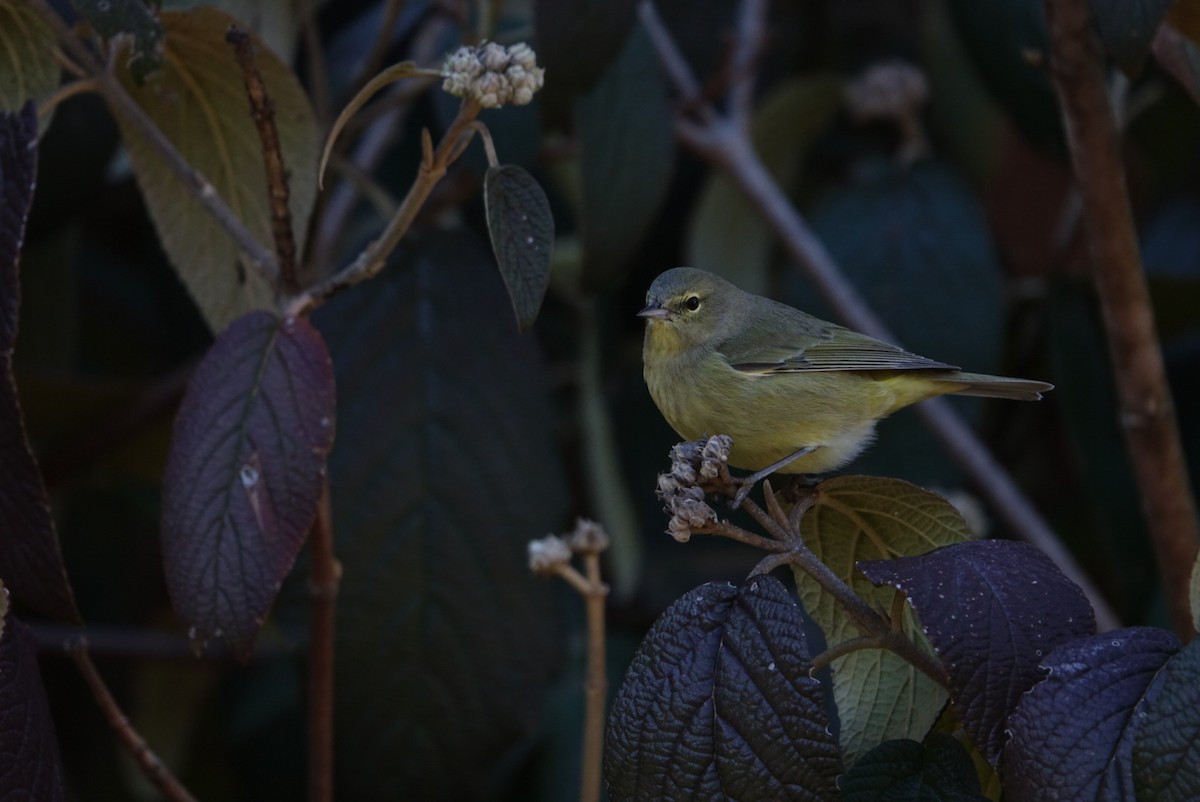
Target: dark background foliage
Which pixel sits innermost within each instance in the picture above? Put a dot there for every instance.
(459, 438)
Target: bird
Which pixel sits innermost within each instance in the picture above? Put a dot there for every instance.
(797, 394)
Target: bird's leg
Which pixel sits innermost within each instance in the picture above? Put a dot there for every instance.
(748, 483)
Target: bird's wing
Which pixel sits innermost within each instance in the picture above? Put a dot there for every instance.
(818, 346)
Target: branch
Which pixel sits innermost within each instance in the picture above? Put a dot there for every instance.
(262, 111)
(723, 144)
(201, 188)
(1146, 411)
(323, 591)
(143, 755)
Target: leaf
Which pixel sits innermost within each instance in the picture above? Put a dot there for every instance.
(522, 231)
(1180, 56)
(1194, 594)
(1072, 734)
(1127, 27)
(576, 41)
(446, 467)
(718, 704)
(31, 563)
(992, 610)
(244, 474)
(28, 69)
(112, 18)
(199, 102)
(857, 518)
(30, 765)
(728, 235)
(1166, 762)
(907, 771)
(627, 151)
(396, 72)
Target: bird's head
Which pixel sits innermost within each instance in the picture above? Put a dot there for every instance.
(686, 307)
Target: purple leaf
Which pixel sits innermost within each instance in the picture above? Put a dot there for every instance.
(1166, 749)
(1073, 733)
(992, 610)
(244, 474)
(30, 766)
(718, 704)
(31, 562)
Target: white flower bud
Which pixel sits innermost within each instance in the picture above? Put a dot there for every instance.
(494, 57)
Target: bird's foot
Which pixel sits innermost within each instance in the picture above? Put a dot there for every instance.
(747, 483)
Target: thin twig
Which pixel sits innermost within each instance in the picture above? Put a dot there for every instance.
(127, 108)
(721, 143)
(748, 44)
(153, 767)
(595, 689)
(325, 580)
(1144, 398)
(371, 261)
(844, 648)
(262, 111)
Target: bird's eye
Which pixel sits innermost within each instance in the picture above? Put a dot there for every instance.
(692, 302)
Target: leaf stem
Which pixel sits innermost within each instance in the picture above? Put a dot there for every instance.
(1144, 398)
(153, 767)
(124, 105)
(262, 111)
(323, 591)
(724, 143)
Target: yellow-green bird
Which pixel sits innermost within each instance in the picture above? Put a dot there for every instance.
(796, 394)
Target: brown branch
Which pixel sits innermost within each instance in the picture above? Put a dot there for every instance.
(714, 138)
(595, 688)
(262, 111)
(153, 767)
(1144, 398)
(325, 579)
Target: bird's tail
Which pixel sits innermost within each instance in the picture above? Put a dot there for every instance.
(987, 386)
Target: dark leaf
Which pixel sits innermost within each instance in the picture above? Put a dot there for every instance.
(113, 17)
(244, 473)
(627, 149)
(31, 562)
(445, 468)
(1127, 27)
(938, 770)
(576, 41)
(1166, 749)
(29, 70)
(30, 766)
(992, 610)
(718, 704)
(1179, 56)
(1072, 734)
(522, 232)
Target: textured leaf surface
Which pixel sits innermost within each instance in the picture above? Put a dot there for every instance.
(30, 766)
(445, 468)
(870, 518)
(522, 231)
(28, 69)
(993, 610)
(114, 17)
(1072, 734)
(244, 473)
(1166, 756)
(1127, 27)
(627, 149)
(718, 704)
(938, 770)
(728, 236)
(31, 563)
(199, 102)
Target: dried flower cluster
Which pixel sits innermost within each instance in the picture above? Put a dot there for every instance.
(493, 74)
(680, 489)
(888, 90)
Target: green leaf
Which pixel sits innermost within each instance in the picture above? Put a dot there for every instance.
(199, 102)
(445, 468)
(879, 696)
(28, 69)
(1127, 27)
(728, 235)
(627, 149)
(522, 231)
(112, 18)
(1166, 752)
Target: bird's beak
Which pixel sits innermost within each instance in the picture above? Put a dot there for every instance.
(654, 311)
